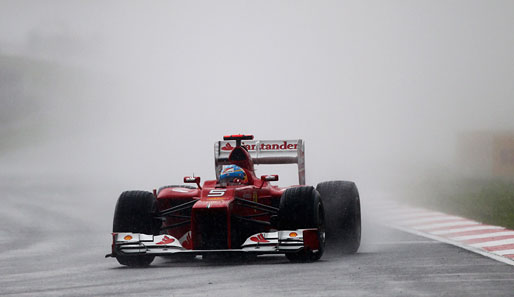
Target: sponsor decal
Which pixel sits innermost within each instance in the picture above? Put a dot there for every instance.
(187, 241)
(284, 146)
(259, 238)
(166, 240)
(227, 147)
(228, 169)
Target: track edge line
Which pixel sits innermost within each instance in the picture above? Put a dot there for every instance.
(457, 244)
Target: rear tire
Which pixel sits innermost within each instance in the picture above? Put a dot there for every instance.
(134, 213)
(343, 214)
(302, 208)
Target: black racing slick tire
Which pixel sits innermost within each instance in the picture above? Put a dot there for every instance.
(134, 213)
(302, 208)
(343, 215)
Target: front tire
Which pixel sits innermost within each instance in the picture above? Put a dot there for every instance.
(134, 213)
(343, 217)
(302, 208)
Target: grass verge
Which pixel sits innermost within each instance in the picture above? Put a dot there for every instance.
(486, 201)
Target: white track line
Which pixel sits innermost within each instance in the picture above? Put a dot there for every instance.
(493, 243)
(437, 218)
(399, 217)
(406, 214)
(464, 229)
(504, 252)
(449, 224)
(485, 235)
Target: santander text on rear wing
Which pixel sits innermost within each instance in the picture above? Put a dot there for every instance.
(265, 152)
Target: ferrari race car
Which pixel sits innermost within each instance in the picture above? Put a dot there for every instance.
(239, 213)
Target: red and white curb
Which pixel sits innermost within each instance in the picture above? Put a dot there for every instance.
(491, 241)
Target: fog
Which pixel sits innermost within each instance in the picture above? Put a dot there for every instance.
(133, 94)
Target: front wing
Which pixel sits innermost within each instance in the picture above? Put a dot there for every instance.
(277, 242)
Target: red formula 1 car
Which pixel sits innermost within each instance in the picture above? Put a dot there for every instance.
(239, 212)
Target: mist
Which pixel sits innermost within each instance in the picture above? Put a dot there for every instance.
(134, 94)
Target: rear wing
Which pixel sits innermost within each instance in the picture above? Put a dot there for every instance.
(265, 152)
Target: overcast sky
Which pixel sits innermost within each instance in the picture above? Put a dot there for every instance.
(377, 89)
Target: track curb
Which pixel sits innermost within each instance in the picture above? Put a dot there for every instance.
(491, 241)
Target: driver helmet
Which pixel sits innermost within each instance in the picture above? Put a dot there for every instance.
(233, 174)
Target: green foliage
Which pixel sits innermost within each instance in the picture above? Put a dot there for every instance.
(490, 202)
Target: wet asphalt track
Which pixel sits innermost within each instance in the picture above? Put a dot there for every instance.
(53, 241)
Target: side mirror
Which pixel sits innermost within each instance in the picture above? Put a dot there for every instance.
(269, 178)
(193, 180)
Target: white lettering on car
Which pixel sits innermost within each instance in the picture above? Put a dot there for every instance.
(216, 193)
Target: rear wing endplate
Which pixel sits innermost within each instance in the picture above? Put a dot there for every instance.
(265, 152)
